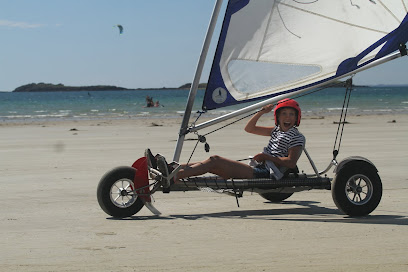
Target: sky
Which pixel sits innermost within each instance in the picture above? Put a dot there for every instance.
(77, 43)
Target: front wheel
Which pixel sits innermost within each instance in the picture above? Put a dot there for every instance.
(357, 189)
(116, 194)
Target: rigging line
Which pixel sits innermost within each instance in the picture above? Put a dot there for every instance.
(335, 20)
(354, 5)
(198, 117)
(280, 16)
(340, 121)
(343, 116)
(389, 11)
(344, 120)
(266, 31)
(189, 159)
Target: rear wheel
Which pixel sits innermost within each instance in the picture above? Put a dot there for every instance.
(116, 195)
(276, 197)
(357, 189)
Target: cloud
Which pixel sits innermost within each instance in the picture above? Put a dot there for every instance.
(19, 24)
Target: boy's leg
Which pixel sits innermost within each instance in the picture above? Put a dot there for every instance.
(217, 165)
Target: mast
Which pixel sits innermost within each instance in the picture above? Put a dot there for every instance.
(196, 81)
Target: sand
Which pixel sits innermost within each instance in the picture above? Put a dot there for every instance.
(50, 219)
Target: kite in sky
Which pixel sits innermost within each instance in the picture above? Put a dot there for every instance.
(120, 28)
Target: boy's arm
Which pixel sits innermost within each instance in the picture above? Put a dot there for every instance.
(289, 161)
(251, 126)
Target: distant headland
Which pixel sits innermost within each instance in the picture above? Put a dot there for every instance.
(48, 87)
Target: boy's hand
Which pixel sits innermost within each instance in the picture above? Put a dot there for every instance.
(260, 157)
(267, 108)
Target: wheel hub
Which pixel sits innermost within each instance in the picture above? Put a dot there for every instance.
(123, 192)
(359, 189)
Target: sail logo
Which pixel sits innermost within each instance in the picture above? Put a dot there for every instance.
(219, 95)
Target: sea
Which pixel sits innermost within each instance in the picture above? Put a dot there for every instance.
(17, 107)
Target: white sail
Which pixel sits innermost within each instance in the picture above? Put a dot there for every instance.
(270, 47)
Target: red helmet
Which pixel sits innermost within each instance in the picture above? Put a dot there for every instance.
(288, 103)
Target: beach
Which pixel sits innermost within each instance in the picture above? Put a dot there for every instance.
(51, 220)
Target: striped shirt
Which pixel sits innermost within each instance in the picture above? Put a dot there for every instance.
(281, 141)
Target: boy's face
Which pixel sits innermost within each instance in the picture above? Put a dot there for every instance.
(287, 118)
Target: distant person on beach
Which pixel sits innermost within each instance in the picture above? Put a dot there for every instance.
(149, 101)
(282, 152)
(157, 104)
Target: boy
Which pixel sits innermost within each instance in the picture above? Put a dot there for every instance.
(282, 152)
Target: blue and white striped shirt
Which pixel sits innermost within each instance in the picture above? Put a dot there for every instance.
(281, 141)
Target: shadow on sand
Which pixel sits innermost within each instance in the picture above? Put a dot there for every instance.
(308, 210)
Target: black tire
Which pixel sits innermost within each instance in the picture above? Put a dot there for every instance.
(115, 193)
(276, 197)
(357, 189)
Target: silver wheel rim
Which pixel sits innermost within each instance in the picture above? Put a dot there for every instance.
(359, 189)
(121, 193)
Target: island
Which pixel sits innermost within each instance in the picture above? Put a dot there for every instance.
(49, 87)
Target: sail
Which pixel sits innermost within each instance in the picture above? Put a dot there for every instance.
(273, 47)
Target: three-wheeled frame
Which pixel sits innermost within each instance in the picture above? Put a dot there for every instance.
(356, 187)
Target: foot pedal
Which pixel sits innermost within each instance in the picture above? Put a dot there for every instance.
(151, 160)
(167, 179)
(170, 179)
